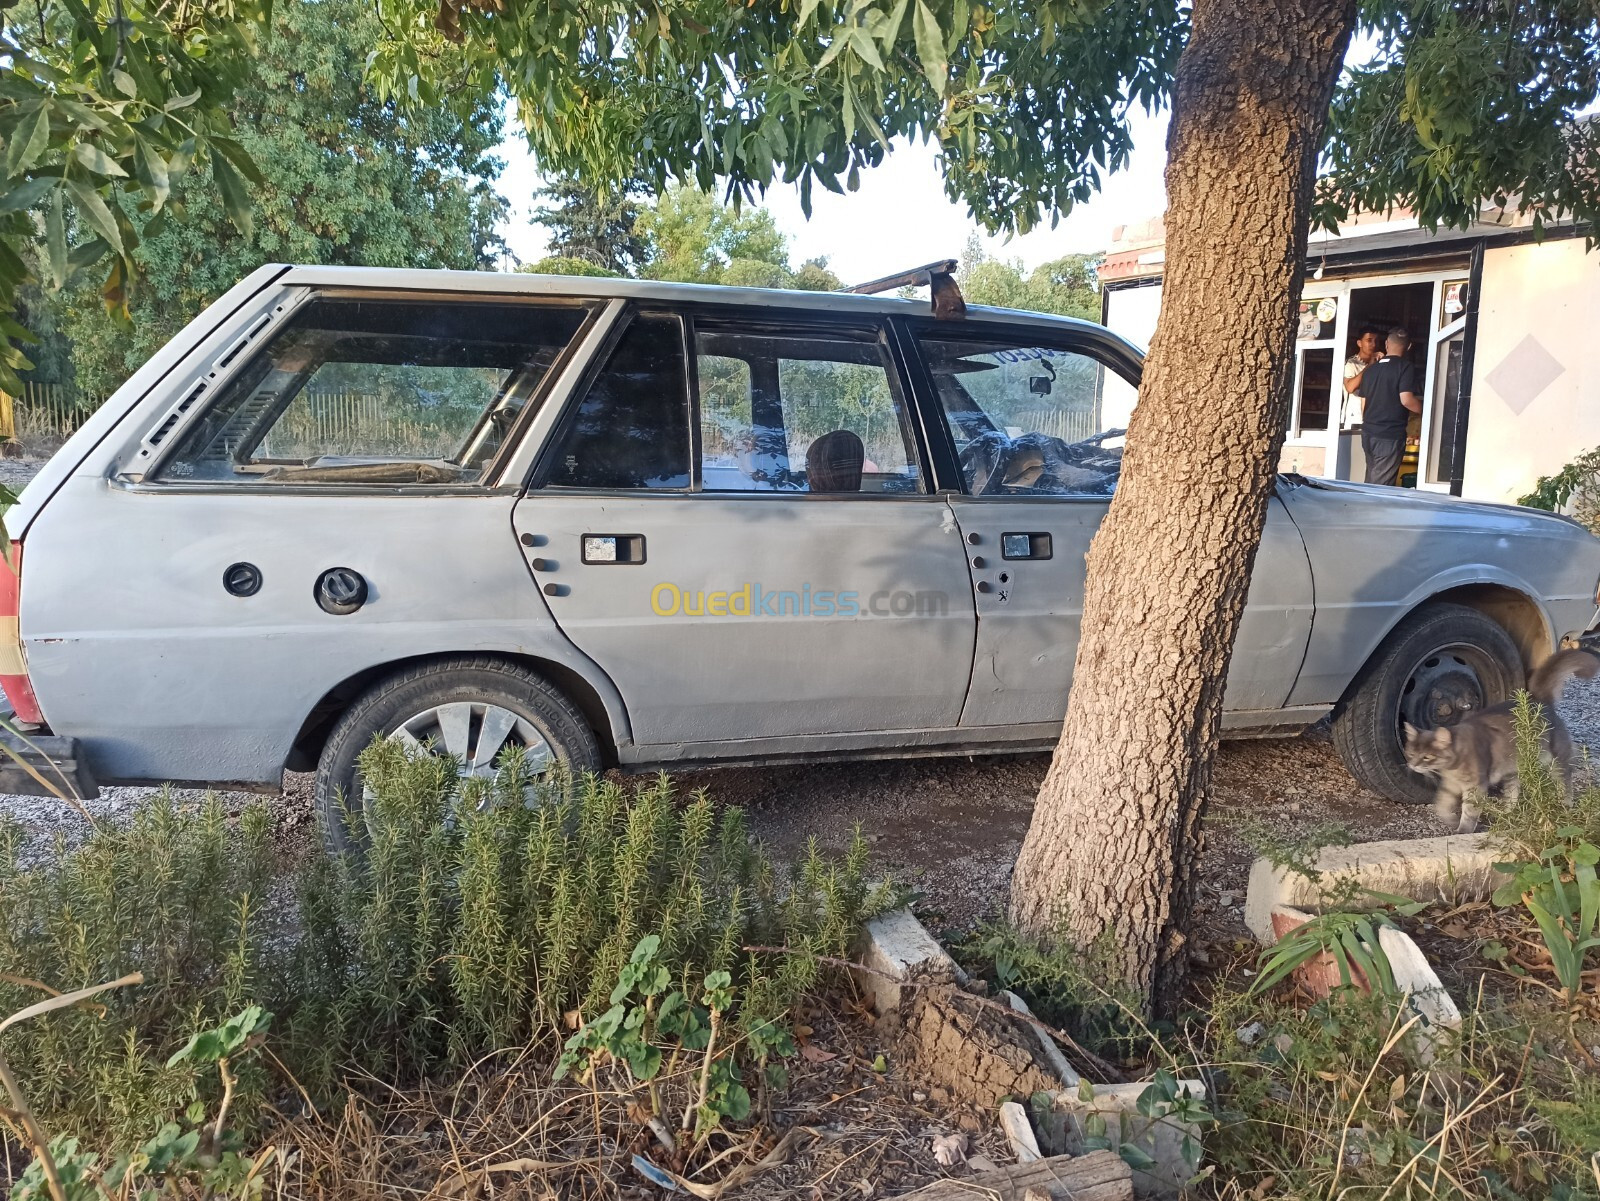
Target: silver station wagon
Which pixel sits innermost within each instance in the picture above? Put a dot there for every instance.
(644, 524)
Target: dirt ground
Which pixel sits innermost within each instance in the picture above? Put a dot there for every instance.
(951, 828)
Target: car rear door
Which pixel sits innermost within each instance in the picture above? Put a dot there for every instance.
(735, 522)
(1034, 419)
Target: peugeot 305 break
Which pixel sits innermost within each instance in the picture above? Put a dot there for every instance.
(615, 522)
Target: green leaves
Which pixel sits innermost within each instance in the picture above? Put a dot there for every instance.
(1349, 939)
(55, 226)
(235, 199)
(96, 212)
(28, 141)
(151, 171)
(233, 1036)
(98, 161)
(93, 105)
(1561, 892)
(930, 48)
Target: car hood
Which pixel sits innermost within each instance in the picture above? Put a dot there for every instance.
(1414, 500)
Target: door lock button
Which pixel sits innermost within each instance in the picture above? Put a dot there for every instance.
(242, 579)
(341, 591)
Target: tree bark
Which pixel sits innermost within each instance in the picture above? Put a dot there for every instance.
(1116, 833)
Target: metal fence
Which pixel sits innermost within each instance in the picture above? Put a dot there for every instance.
(45, 412)
(1070, 425)
(320, 421)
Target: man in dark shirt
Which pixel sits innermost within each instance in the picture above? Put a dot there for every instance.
(1392, 394)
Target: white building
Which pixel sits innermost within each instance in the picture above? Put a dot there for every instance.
(1498, 319)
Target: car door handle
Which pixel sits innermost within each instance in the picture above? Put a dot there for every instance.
(609, 549)
(1025, 546)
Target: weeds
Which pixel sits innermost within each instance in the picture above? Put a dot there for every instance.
(1063, 986)
(1325, 1101)
(484, 917)
(1527, 824)
(180, 896)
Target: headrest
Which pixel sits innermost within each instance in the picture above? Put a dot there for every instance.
(834, 461)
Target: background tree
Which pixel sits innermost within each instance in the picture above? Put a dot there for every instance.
(1462, 101)
(1064, 286)
(104, 97)
(555, 264)
(591, 225)
(684, 235)
(694, 238)
(346, 178)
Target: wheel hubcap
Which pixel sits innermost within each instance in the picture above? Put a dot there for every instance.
(474, 734)
(1445, 686)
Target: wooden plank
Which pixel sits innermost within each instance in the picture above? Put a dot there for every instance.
(1097, 1176)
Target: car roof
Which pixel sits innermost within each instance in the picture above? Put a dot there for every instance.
(513, 283)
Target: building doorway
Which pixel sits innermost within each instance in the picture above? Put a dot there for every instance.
(1407, 306)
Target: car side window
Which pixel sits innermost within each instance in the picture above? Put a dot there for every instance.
(801, 411)
(1029, 419)
(377, 392)
(631, 430)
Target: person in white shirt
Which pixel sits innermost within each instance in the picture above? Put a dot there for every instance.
(1368, 351)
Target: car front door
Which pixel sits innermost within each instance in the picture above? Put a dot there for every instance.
(1035, 424)
(735, 522)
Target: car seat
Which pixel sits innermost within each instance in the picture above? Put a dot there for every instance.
(834, 462)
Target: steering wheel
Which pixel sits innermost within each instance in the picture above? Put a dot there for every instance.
(981, 460)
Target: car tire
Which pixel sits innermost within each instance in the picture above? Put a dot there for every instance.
(481, 682)
(1424, 672)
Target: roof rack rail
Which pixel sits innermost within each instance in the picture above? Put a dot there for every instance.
(940, 279)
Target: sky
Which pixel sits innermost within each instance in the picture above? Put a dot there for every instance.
(900, 217)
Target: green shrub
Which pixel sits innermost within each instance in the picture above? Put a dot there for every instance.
(483, 916)
(476, 921)
(1577, 484)
(183, 896)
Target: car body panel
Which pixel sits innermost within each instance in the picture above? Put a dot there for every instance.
(804, 658)
(135, 649)
(1029, 617)
(162, 675)
(1377, 553)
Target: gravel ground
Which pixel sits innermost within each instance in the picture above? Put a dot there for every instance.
(950, 828)
(14, 473)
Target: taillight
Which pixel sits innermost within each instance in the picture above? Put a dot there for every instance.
(13, 667)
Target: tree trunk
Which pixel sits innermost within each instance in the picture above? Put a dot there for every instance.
(1115, 837)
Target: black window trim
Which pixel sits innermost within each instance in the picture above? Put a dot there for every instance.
(777, 319)
(790, 322)
(1105, 349)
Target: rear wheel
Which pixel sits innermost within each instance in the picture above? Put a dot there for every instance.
(1439, 664)
(473, 709)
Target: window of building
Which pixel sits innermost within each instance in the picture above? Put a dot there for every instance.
(1030, 420)
(793, 411)
(631, 429)
(378, 392)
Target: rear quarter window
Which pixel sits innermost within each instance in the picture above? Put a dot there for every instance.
(378, 392)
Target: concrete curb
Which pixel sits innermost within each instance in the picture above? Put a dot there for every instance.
(1452, 868)
(898, 948)
(1072, 1118)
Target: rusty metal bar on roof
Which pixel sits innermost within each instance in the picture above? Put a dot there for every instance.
(940, 279)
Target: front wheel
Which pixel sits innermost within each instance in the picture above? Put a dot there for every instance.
(471, 709)
(1439, 664)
